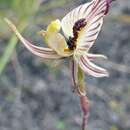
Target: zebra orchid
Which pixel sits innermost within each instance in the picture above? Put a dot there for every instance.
(80, 29)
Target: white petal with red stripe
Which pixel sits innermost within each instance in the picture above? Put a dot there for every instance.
(87, 11)
(78, 13)
(39, 51)
(89, 34)
(93, 57)
(92, 69)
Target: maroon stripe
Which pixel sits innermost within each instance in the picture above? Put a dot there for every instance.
(95, 28)
(108, 2)
(92, 34)
(98, 7)
(95, 4)
(40, 50)
(87, 7)
(105, 4)
(80, 9)
(96, 71)
(102, 5)
(90, 41)
(95, 10)
(102, 10)
(43, 53)
(96, 20)
(72, 15)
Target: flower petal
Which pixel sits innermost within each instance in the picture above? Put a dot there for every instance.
(39, 51)
(71, 18)
(88, 35)
(91, 68)
(86, 11)
(77, 86)
(93, 57)
(74, 71)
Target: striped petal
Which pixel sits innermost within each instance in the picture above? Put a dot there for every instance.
(71, 18)
(88, 35)
(39, 51)
(91, 68)
(93, 57)
(87, 11)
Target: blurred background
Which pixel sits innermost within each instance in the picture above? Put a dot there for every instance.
(36, 94)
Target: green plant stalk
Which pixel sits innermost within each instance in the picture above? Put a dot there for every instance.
(84, 103)
(5, 58)
(81, 83)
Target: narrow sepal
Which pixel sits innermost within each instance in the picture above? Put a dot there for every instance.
(93, 57)
(77, 78)
(74, 71)
(39, 51)
(92, 69)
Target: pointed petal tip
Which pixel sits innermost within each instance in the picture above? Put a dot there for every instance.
(93, 57)
(107, 74)
(104, 57)
(108, 2)
(6, 20)
(102, 75)
(10, 24)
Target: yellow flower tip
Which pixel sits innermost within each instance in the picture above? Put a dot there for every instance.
(54, 26)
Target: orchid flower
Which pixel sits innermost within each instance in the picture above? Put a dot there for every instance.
(80, 29)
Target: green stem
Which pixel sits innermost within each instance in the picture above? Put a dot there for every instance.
(5, 58)
(81, 82)
(83, 98)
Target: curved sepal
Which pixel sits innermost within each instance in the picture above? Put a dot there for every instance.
(77, 78)
(93, 57)
(39, 51)
(92, 69)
